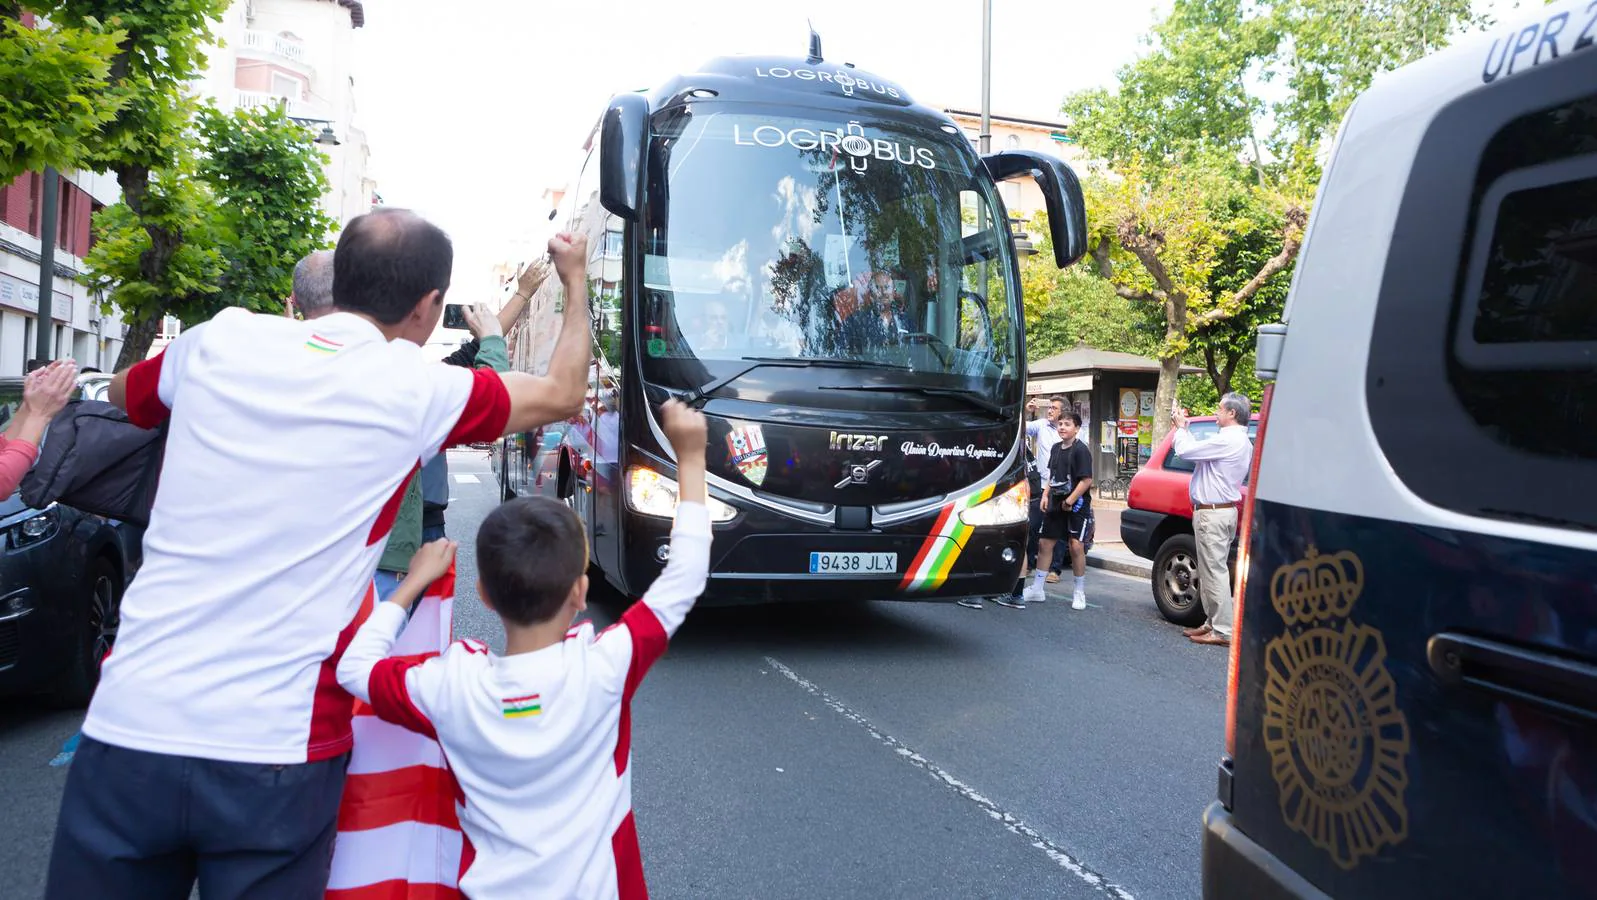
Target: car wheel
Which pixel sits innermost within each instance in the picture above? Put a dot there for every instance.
(93, 638)
(1175, 581)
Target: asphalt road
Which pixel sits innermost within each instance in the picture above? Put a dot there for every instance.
(885, 750)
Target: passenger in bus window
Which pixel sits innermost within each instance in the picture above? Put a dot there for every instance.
(714, 327)
(880, 320)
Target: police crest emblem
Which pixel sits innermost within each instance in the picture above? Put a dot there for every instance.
(1338, 742)
(746, 449)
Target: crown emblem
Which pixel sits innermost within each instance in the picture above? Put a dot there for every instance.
(1317, 588)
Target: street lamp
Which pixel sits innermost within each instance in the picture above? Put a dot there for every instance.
(1017, 233)
(326, 138)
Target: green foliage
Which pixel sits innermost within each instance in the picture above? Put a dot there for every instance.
(223, 230)
(266, 174)
(1065, 308)
(161, 49)
(54, 94)
(148, 280)
(1205, 215)
(1188, 91)
(1192, 87)
(1330, 50)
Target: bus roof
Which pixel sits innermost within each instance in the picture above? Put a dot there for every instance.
(787, 80)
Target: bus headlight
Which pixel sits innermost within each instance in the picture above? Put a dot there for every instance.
(653, 494)
(1007, 508)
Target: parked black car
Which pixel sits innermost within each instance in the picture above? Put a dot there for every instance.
(62, 575)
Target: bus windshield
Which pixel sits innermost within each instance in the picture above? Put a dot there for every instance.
(866, 242)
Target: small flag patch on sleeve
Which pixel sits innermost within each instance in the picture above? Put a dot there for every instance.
(521, 707)
(322, 345)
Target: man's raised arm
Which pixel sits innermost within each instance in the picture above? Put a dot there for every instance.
(537, 400)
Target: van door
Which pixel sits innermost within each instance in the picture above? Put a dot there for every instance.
(1417, 700)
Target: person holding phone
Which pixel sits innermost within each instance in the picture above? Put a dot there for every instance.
(1220, 466)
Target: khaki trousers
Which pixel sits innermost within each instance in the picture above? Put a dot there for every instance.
(1214, 530)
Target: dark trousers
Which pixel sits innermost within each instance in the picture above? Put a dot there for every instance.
(1061, 549)
(145, 826)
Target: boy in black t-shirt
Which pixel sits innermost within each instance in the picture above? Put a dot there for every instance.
(1066, 505)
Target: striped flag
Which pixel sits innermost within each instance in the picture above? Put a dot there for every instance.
(398, 835)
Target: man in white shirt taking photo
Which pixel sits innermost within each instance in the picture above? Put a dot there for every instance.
(1221, 465)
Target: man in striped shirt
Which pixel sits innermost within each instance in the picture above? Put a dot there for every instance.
(215, 746)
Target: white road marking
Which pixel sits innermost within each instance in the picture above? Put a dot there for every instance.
(466, 478)
(1010, 822)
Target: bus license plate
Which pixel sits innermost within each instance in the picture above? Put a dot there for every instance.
(863, 563)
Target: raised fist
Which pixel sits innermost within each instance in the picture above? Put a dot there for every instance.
(684, 427)
(570, 253)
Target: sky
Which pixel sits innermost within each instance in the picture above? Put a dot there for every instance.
(474, 108)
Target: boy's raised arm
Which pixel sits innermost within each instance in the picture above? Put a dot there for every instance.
(651, 621)
(367, 672)
(682, 581)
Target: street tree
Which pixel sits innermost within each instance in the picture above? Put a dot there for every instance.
(246, 207)
(1161, 241)
(1066, 307)
(158, 52)
(1185, 131)
(55, 92)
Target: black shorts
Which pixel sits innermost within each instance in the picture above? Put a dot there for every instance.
(1059, 523)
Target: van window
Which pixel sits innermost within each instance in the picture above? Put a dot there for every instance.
(1494, 264)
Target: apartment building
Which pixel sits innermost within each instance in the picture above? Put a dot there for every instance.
(1022, 197)
(78, 327)
(299, 54)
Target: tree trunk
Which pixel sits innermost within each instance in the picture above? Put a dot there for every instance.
(1226, 374)
(1164, 395)
(136, 346)
(1220, 375)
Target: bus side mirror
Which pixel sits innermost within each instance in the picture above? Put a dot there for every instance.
(1061, 189)
(623, 141)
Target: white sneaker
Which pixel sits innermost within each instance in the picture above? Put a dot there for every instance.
(1035, 593)
(1078, 600)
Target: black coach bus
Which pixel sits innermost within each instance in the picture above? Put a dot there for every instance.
(825, 268)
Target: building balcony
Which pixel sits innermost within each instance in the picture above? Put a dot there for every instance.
(276, 45)
(298, 109)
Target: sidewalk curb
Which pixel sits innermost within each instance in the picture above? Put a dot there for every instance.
(1138, 568)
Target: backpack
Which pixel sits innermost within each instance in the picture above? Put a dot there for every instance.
(95, 460)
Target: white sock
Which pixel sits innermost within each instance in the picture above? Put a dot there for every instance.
(1081, 584)
(1038, 577)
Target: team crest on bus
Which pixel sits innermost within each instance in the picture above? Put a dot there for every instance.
(1338, 741)
(746, 449)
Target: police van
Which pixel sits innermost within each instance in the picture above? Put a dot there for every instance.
(1413, 682)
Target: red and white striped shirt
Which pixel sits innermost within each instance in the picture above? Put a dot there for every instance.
(540, 743)
(288, 447)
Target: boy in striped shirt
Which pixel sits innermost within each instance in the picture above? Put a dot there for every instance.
(539, 739)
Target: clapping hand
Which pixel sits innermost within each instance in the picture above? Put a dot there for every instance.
(45, 391)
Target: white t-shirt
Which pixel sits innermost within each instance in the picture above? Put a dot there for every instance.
(540, 743)
(1044, 435)
(288, 448)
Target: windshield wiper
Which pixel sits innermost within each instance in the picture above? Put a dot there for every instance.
(974, 398)
(697, 396)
